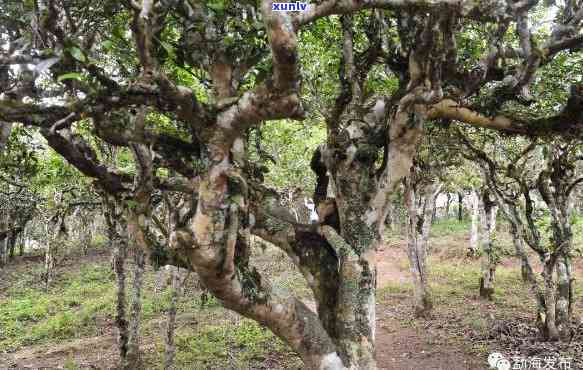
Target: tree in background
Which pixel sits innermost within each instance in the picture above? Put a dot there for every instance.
(513, 177)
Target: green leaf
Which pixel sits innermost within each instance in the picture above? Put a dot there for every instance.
(77, 54)
(217, 6)
(107, 44)
(168, 47)
(70, 76)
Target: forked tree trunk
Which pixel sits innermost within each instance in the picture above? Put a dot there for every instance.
(420, 205)
(489, 257)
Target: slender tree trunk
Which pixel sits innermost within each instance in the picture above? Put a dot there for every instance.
(120, 318)
(50, 257)
(117, 233)
(86, 233)
(434, 214)
(12, 244)
(447, 205)
(133, 359)
(525, 267)
(474, 228)
(22, 242)
(170, 350)
(460, 207)
(390, 217)
(3, 250)
(420, 208)
(387, 222)
(489, 258)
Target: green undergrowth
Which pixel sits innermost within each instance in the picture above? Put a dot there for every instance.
(234, 344)
(447, 227)
(81, 303)
(71, 308)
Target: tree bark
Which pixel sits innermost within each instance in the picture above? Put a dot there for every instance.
(22, 242)
(526, 271)
(133, 359)
(420, 200)
(51, 251)
(474, 227)
(170, 350)
(550, 330)
(3, 251)
(117, 233)
(565, 296)
(460, 207)
(86, 231)
(12, 243)
(489, 257)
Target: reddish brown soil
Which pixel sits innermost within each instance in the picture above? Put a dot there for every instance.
(401, 348)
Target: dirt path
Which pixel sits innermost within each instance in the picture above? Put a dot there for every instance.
(400, 348)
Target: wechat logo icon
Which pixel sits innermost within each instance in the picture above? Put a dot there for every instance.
(498, 361)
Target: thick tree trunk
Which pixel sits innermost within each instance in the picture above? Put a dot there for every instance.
(474, 227)
(565, 297)
(355, 246)
(550, 329)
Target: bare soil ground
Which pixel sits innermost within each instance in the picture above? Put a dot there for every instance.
(406, 348)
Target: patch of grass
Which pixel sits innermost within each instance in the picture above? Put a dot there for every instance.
(479, 324)
(99, 241)
(60, 326)
(70, 364)
(394, 288)
(68, 310)
(447, 227)
(229, 345)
